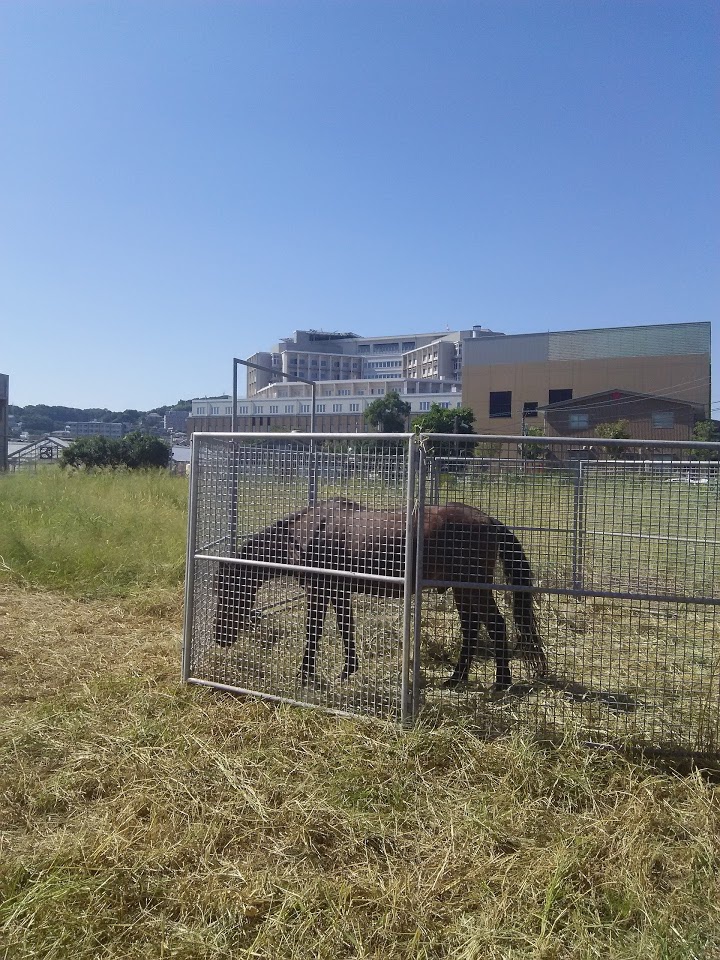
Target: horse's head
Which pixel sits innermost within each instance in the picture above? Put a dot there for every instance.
(236, 588)
(237, 584)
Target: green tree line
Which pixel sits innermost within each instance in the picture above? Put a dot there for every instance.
(44, 418)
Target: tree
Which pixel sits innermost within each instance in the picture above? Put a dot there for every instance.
(533, 451)
(135, 451)
(142, 450)
(444, 420)
(92, 452)
(614, 430)
(706, 431)
(388, 414)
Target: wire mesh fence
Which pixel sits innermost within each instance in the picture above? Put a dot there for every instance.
(551, 584)
(623, 546)
(290, 600)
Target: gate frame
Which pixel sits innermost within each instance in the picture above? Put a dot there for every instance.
(407, 695)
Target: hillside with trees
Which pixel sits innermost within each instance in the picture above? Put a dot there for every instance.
(44, 418)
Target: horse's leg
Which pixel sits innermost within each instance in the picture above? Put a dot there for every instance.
(317, 604)
(467, 608)
(495, 623)
(342, 601)
(474, 606)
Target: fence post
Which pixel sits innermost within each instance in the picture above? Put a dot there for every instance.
(190, 559)
(406, 692)
(434, 497)
(232, 518)
(418, 575)
(578, 524)
(312, 471)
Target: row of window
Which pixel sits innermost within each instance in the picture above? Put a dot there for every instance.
(289, 408)
(501, 406)
(501, 402)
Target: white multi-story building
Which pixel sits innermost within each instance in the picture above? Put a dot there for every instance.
(337, 409)
(349, 373)
(319, 356)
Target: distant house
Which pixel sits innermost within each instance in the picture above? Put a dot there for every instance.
(649, 417)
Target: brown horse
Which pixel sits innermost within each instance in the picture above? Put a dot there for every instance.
(461, 545)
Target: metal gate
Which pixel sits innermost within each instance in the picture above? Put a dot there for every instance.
(255, 501)
(621, 539)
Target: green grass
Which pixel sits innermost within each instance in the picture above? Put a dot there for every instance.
(100, 534)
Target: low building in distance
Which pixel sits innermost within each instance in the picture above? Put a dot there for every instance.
(94, 428)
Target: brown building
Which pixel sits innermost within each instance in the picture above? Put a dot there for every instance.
(648, 417)
(507, 379)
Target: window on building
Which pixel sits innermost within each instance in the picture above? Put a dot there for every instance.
(408, 345)
(530, 409)
(320, 408)
(304, 408)
(289, 407)
(274, 408)
(662, 419)
(242, 409)
(337, 408)
(201, 411)
(578, 421)
(501, 403)
(354, 408)
(228, 411)
(557, 396)
(259, 409)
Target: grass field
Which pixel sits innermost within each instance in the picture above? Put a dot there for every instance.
(142, 819)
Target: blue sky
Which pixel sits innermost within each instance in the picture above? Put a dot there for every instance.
(184, 182)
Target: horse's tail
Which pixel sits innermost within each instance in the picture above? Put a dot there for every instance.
(518, 573)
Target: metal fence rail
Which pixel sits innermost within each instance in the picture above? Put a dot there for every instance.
(620, 540)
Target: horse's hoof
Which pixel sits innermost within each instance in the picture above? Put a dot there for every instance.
(348, 671)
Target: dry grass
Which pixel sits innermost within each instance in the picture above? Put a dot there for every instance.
(142, 819)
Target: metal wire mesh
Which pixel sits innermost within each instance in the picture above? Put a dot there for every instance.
(284, 605)
(622, 543)
(557, 586)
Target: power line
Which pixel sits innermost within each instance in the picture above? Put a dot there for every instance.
(682, 387)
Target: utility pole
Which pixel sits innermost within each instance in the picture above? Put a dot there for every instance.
(287, 376)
